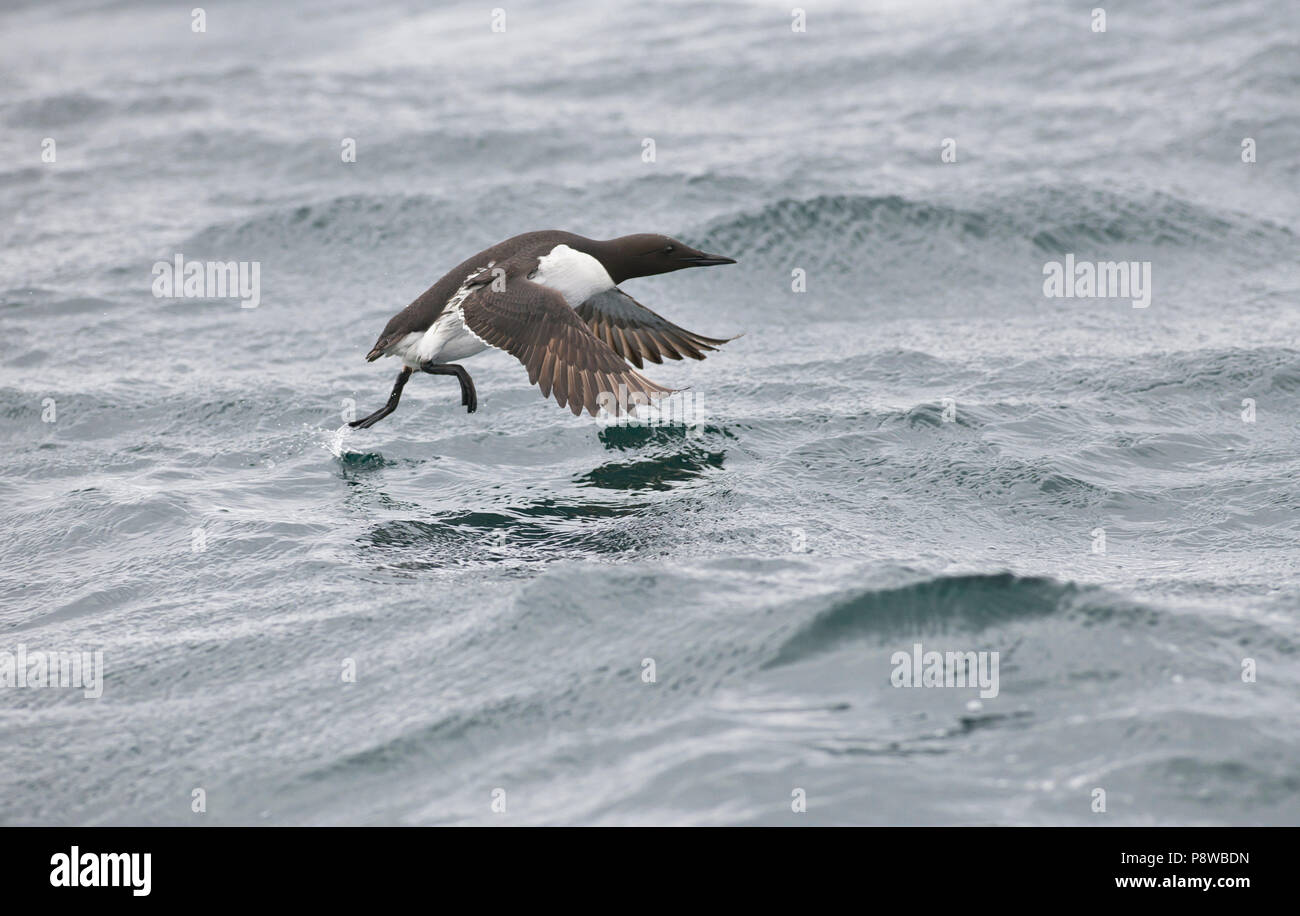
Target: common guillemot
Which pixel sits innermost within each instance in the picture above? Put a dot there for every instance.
(551, 300)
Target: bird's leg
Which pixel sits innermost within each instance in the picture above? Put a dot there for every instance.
(468, 396)
(367, 422)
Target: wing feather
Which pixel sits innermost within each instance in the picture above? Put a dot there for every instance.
(636, 333)
(568, 360)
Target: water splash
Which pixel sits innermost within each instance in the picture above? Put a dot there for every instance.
(335, 440)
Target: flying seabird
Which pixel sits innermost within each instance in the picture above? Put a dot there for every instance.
(551, 300)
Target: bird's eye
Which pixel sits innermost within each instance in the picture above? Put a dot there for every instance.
(668, 249)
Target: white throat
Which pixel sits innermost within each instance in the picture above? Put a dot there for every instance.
(573, 274)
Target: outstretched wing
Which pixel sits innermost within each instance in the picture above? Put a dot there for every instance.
(636, 333)
(535, 325)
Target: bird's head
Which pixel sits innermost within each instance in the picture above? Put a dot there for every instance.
(647, 254)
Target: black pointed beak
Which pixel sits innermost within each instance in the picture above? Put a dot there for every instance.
(708, 260)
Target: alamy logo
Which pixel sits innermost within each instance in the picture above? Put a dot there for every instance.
(624, 408)
(181, 279)
(946, 669)
(103, 869)
(53, 669)
(1098, 280)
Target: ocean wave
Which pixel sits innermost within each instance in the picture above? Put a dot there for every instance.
(1270, 68)
(336, 218)
(832, 228)
(80, 108)
(1232, 373)
(964, 603)
(58, 110)
(912, 237)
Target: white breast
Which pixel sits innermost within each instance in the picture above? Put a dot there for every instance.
(575, 275)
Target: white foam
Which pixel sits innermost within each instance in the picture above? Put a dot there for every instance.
(334, 441)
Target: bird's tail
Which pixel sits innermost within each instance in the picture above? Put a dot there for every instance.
(378, 350)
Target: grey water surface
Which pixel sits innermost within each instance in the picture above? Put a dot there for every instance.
(922, 447)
